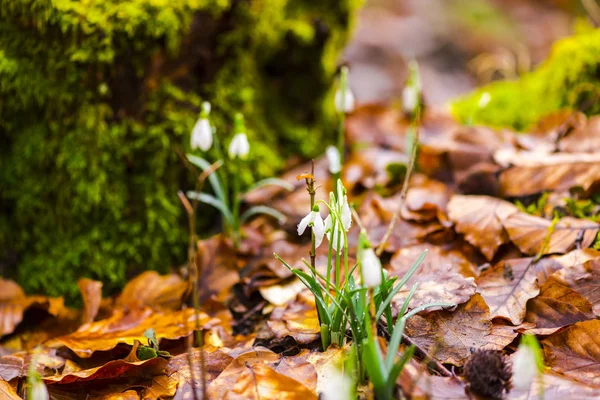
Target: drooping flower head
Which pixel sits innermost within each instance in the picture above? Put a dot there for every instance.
(314, 220)
(239, 146)
(334, 159)
(202, 134)
(334, 229)
(344, 98)
(527, 362)
(370, 265)
(411, 94)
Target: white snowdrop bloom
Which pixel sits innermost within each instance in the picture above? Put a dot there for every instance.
(484, 100)
(370, 267)
(39, 391)
(524, 367)
(333, 156)
(333, 236)
(202, 135)
(239, 146)
(314, 220)
(344, 103)
(337, 385)
(410, 99)
(346, 214)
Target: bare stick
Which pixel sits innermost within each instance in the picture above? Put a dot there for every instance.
(409, 169)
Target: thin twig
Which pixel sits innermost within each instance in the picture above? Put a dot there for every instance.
(404, 191)
(189, 357)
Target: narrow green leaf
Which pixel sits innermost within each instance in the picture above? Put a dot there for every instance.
(213, 201)
(252, 211)
(272, 182)
(398, 367)
(212, 178)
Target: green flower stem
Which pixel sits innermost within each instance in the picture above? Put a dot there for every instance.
(236, 203)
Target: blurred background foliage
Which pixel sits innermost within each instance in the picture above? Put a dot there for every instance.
(97, 100)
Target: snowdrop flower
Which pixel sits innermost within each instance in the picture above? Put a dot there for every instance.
(337, 386)
(344, 103)
(524, 367)
(334, 237)
(410, 99)
(333, 156)
(202, 135)
(484, 100)
(346, 214)
(370, 267)
(314, 220)
(39, 391)
(239, 147)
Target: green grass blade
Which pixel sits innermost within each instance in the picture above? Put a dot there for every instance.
(252, 211)
(212, 178)
(213, 201)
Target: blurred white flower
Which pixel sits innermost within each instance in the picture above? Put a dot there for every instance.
(39, 391)
(410, 99)
(524, 367)
(314, 220)
(333, 156)
(202, 135)
(484, 100)
(239, 146)
(337, 386)
(344, 103)
(370, 267)
(346, 214)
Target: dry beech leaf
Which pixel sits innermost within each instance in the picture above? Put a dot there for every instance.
(297, 319)
(437, 260)
(16, 365)
(425, 200)
(126, 395)
(280, 295)
(127, 327)
(575, 352)
(585, 138)
(584, 278)
(547, 266)
(455, 289)
(450, 336)
(162, 387)
(217, 268)
(479, 219)
(368, 167)
(216, 360)
(529, 233)
(7, 392)
(91, 292)
(555, 307)
(561, 176)
(150, 289)
(507, 287)
(556, 387)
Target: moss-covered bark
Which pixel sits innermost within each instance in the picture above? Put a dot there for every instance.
(569, 78)
(98, 98)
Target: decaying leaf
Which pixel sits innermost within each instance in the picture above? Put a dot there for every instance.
(438, 260)
(584, 278)
(575, 352)
(91, 292)
(507, 286)
(450, 336)
(150, 289)
(479, 219)
(297, 319)
(217, 268)
(7, 392)
(555, 307)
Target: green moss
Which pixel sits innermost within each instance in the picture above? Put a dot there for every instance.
(569, 78)
(97, 100)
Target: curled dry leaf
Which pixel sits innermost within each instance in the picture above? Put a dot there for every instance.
(547, 266)
(91, 292)
(426, 200)
(7, 392)
(507, 286)
(585, 138)
(150, 289)
(575, 352)
(297, 319)
(555, 307)
(556, 387)
(479, 219)
(450, 336)
(584, 278)
(17, 365)
(368, 167)
(218, 271)
(437, 260)
(529, 233)
(127, 327)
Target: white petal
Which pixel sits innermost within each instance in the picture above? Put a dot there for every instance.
(347, 105)
(319, 230)
(202, 135)
(410, 99)
(303, 224)
(337, 385)
(370, 267)
(333, 156)
(346, 215)
(39, 391)
(484, 100)
(524, 368)
(239, 146)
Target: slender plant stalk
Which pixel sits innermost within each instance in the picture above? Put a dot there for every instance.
(189, 360)
(404, 191)
(236, 204)
(310, 187)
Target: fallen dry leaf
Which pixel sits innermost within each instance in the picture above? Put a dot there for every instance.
(507, 287)
(584, 278)
(7, 392)
(479, 219)
(556, 387)
(529, 233)
(91, 292)
(297, 319)
(450, 336)
(555, 307)
(150, 289)
(217, 268)
(575, 352)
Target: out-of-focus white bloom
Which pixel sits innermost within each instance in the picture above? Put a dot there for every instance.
(484, 100)
(370, 267)
(336, 236)
(333, 156)
(410, 99)
(202, 135)
(314, 220)
(239, 146)
(337, 385)
(524, 367)
(344, 103)
(346, 214)
(39, 391)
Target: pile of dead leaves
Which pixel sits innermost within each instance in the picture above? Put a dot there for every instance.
(510, 272)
